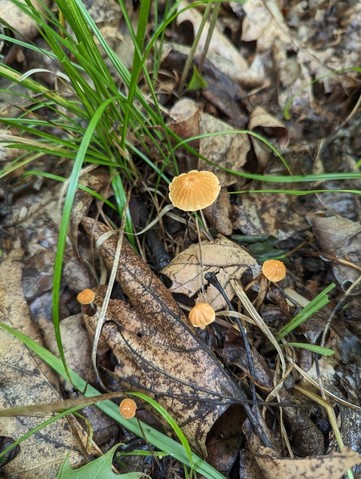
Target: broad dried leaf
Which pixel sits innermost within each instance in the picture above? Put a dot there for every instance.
(317, 467)
(157, 349)
(23, 383)
(221, 256)
(340, 238)
(226, 151)
(267, 214)
(263, 23)
(332, 466)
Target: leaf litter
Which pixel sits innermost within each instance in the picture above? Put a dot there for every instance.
(296, 84)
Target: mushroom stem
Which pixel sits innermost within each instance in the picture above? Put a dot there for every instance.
(200, 255)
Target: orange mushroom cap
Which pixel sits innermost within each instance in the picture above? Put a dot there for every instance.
(274, 270)
(194, 190)
(201, 315)
(86, 296)
(128, 408)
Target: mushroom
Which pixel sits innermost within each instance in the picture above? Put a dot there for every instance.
(274, 270)
(86, 296)
(128, 408)
(194, 190)
(201, 315)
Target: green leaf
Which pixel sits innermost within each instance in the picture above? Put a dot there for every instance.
(315, 305)
(99, 468)
(311, 347)
(197, 81)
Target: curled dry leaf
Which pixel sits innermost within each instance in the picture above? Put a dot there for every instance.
(221, 256)
(340, 238)
(332, 466)
(219, 44)
(156, 349)
(260, 118)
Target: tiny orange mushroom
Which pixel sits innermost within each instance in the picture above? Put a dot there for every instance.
(194, 190)
(86, 296)
(274, 270)
(201, 315)
(128, 408)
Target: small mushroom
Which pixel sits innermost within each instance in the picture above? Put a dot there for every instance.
(274, 270)
(86, 296)
(201, 315)
(194, 190)
(128, 408)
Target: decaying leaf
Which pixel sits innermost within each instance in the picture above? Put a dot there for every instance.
(225, 151)
(340, 238)
(23, 24)
(156, 348)
(263, 23)
(221, 256)
(332, 466)
(23, 383)
(260, 118)
(219, 45)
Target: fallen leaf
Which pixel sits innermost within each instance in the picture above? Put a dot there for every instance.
(157, 350)
(219, 43)
(224, 151)
(340, 238)
(332, 466)
(221, 256)
(23, 24)
(101, 467)
(261, 119)
(263, 23)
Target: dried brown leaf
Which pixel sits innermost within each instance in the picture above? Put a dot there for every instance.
(340, 238)
(221, 256)
(157, 349)
(263, 23)
(227, 151)
(22, 383)
(317, 467)
(219, 43)
(260, 118)
(332, 466)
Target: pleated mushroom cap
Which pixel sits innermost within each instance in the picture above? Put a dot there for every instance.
(201, 315)
(194, 190)
(274, 270)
